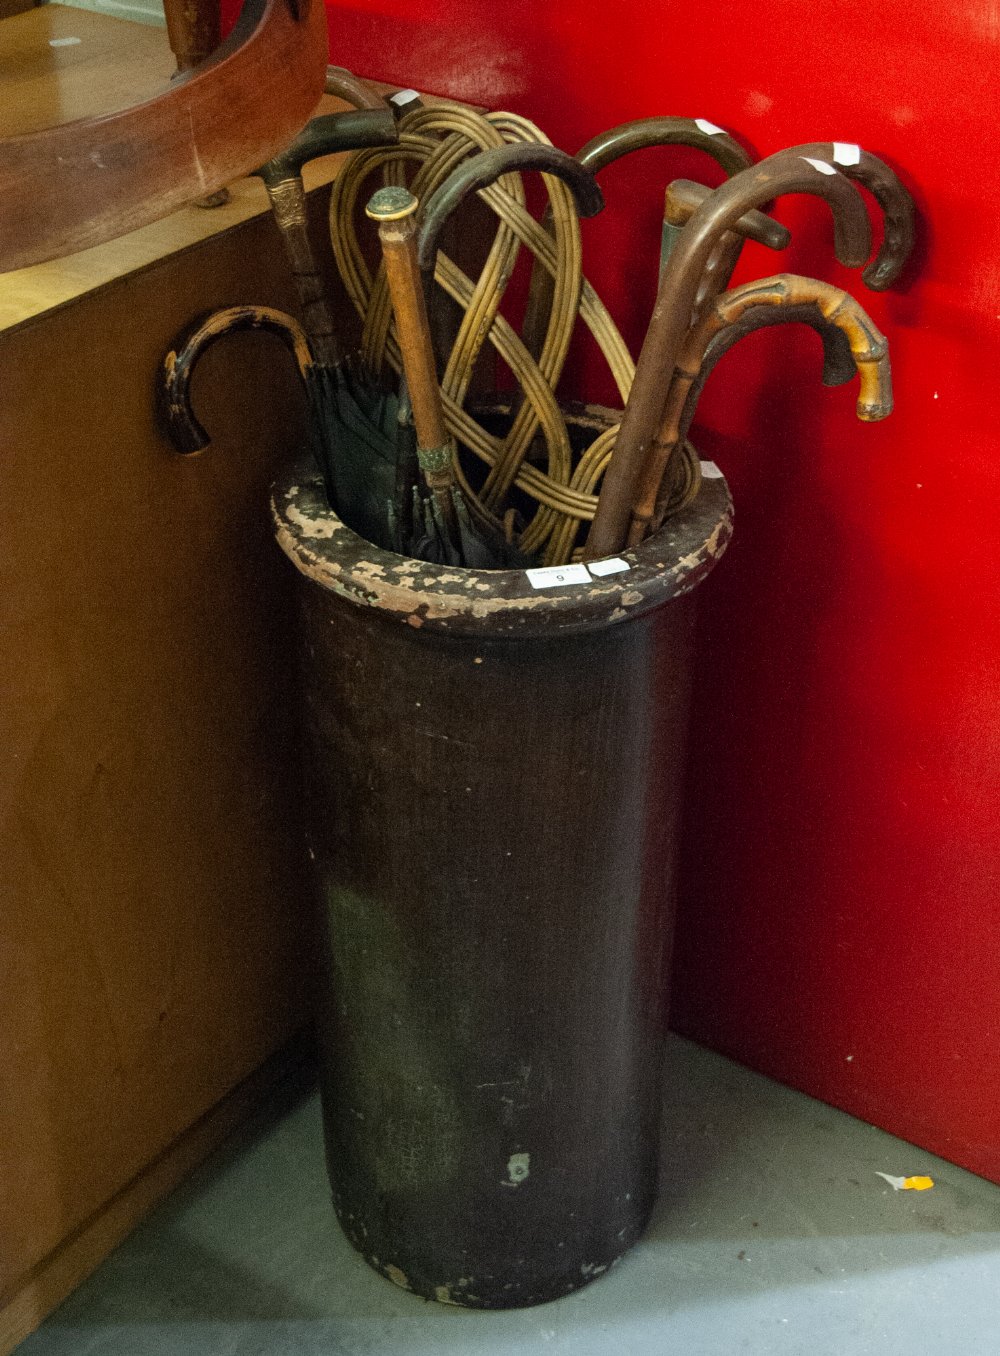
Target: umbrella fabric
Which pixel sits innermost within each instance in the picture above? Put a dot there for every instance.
(362, 439)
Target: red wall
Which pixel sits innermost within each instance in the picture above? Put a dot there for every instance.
(839, 924)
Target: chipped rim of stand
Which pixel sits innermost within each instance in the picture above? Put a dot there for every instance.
(465, 602)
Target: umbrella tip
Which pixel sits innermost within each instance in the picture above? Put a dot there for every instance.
(391, 204)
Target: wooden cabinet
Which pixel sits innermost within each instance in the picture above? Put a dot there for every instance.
(154, 921)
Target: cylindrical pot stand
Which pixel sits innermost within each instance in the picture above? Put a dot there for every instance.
(492, 810)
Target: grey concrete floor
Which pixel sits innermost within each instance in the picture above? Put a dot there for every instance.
(773, 1235)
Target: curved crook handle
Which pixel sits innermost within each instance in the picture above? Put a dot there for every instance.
(639, 135)
(344, 84)
(778, 174)
(785, 298)
(286, 193)
(869, 346)
(866, 345)
(838, 361)
(353, 89)
(174, 385)
(481, 170)
(353, 130)
(683, 198)
(645, 133)
(895, 201)
(680, 202)
(785, 172)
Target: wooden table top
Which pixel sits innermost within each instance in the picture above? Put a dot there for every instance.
(115, 63)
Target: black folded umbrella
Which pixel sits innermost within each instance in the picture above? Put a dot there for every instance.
(360, 431)
(362, 437)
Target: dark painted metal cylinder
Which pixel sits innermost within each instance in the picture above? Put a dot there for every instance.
(492, 811)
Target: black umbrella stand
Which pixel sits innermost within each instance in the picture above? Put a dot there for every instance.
(495, 768)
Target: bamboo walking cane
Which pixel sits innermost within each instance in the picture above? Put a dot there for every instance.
(671, 317)
(785, 297)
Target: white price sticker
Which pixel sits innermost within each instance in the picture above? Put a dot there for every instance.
(709, 128)
(846, 153)
(557, 576)
(709, 471)
(65, 42)
(405, 96)
(821, 165)
(599, 568)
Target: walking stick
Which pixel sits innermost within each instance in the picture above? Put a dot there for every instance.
(643, 413)
(395, 211)
(786, 297)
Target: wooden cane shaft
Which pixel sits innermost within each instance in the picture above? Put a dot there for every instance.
(672, 312)
(399, 250)
(786, 292)
(288, 206)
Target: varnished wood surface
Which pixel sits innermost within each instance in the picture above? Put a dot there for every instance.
(70, 1264)
(32, 292)
(98, 64)
(8, 8)
(399, 253)
(73, 185)
(194, 29)
(114, 60)
(153, 927)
